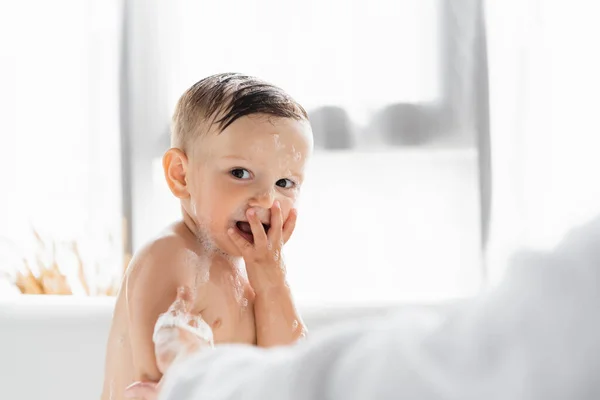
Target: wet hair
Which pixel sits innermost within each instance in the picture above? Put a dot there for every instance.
(219, 100)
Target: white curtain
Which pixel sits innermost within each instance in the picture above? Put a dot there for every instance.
(352, 54)
(545, 125)
(60, 136)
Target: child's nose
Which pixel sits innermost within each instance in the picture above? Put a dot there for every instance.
(263, 199)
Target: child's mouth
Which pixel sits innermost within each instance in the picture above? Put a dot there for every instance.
(244, 229)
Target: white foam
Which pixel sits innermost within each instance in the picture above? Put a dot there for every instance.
(182, 321)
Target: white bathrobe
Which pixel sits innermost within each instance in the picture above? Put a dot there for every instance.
(536, 336)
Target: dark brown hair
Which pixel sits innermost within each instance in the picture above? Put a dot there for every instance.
(222, 99)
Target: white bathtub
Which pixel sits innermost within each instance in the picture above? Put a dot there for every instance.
(52, 347)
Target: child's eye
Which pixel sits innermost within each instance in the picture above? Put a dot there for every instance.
(240, 173)
(285, 183)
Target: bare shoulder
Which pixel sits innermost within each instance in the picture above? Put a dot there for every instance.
(152, 279)
(168, 258)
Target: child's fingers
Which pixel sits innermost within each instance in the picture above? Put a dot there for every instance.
(242, 244)
(258, 231)
(275, 231)
(290, 225)
(142, 390)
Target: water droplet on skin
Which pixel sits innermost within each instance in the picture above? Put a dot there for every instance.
(294, 325)
(302, 335)
(298, 156)
(244, 302)
(201, 270)
(238, 289)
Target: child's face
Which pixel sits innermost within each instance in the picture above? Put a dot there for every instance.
(258, 159)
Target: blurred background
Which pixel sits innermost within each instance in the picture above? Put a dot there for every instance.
(449, 134)
(417, 107)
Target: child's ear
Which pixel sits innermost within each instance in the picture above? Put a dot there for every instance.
(175, 165)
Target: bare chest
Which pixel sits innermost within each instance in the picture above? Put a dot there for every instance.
(229, 310)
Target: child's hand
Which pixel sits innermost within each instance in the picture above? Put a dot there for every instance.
(263, 259)
(277, 320)
(143, 390)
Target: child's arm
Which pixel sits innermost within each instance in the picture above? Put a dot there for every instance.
(277, 320)
(151, 289)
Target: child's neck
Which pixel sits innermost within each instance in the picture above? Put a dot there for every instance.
(189, 222)
(208, 248)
